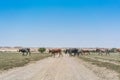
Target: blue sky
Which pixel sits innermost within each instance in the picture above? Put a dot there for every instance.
(60, 23)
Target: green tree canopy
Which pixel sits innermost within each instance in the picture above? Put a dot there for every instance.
(42, 50)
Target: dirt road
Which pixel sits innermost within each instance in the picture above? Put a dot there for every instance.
(64, 68)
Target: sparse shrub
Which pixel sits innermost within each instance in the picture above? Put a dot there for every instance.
(41, 50)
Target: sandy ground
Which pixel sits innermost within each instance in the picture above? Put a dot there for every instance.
(63, 68)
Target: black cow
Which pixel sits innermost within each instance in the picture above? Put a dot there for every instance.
(25, 51)
(72, 52)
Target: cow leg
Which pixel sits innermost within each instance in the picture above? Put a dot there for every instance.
(26, 54)
(58, 54)
(29, 53)
(108, 53)
(78, 54)
(74, 54)
(82, 53)
(61, 54)
(51, 54)
(23, 53)
(70, 54)
(100, 53)
(54, 55)
(89, 53)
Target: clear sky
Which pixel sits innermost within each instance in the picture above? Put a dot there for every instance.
(60, 23)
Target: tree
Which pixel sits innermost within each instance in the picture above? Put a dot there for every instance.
(42, 50)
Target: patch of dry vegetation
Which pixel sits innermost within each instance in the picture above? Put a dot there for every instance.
(10, 60)
(103, 64)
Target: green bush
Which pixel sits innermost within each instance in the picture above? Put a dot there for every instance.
(42, 50)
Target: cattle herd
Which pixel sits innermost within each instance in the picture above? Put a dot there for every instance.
(74, 51)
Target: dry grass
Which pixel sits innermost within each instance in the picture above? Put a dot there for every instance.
(112, 57)
(102, 64)
(10, 60)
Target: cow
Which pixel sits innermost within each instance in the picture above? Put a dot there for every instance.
(100, 51)
(72, 51)
(25, 51)
(55, 52)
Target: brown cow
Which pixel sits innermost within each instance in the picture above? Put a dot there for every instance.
(103, 50)
(55, 52)
(118, 50)
(85, 52)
